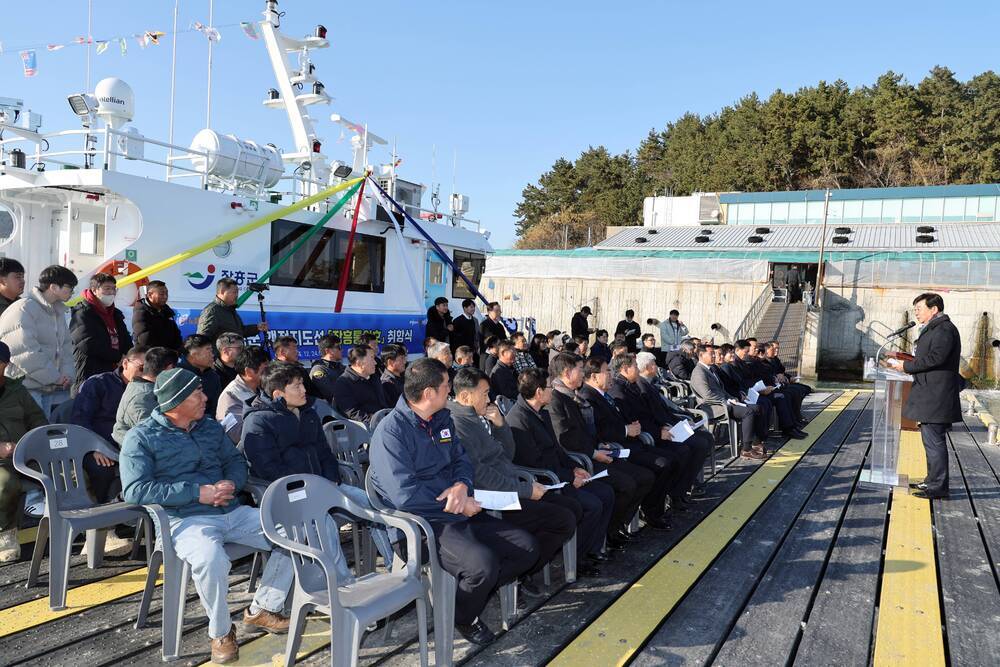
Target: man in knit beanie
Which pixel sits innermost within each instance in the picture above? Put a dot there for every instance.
(183, 460)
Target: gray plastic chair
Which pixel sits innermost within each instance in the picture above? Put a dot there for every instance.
(348, 440)
(300, 506)
(53, 455)
(176, 574)
(731, 424)
(504, 404)
(377, 417)
(569, 547)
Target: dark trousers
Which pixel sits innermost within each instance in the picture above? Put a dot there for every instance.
(748, 417)
(699, 448)
(592, 505)
(551, 523)
(631, 483)
(782, 403)
(482, 552)
(936, 447)
(666, 466)
(100, 478)
(796, 392)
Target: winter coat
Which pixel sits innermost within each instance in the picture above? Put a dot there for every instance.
(491, 452)
(503, 381)
(38, 336)
(4, 302)
(578, 325)
(92, 351)
(96, 406)
(681, 365)
(934, 397)
(226, 373)
(324, 375)
(437, 325)
(18, 411)
(535, 441)
(163, 464)
(358, 398)
(136, 404)
(277, 442)
(571, 426)
(490, 328)
(672, 334)
(155, 327)
(413, 462)
(217, 318)
(392, 387)
(210, 384)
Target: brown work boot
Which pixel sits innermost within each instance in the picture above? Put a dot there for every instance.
(754, 454)
(265, 620)
(225, 649)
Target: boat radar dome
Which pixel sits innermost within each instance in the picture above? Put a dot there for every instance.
(115, 102)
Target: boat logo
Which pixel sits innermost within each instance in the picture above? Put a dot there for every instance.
(199, 281)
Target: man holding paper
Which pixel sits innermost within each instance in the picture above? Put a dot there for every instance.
(708, 387)
(490, 445)
(418, 466)
(768, 396)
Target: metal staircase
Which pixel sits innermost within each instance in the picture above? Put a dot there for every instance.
(785, 323)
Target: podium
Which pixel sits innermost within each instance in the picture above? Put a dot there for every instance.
(891, 390)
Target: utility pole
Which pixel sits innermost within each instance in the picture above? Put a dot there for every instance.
(822, 250)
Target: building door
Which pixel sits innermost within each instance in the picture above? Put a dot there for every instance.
(434, 278)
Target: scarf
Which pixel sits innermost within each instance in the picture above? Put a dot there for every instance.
(107, 316)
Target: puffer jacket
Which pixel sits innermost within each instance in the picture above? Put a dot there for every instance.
(217, 318)
(92, 343)
(96, 406)
(161, 463)
(137, 403)
(38, 335)
(277, 442)
(18, 411)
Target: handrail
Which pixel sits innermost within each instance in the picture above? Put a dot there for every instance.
(753, 315)
(801, 342)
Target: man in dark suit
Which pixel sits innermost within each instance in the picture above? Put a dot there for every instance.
(750, 373)
(439, 325)
(492, 326)
(708, 387)
(578, 325)
(465, 328)
(793, 282)
(503, 377)
(934, 398)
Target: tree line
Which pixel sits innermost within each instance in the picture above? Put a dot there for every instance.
(891, 133)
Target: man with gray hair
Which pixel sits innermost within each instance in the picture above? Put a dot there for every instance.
(681, 361)
(441, 352)
(229, 345)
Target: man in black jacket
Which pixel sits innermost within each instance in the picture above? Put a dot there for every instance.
(198, 358)
(612, 426)
(746, 367)
(97, 329)
(394, 357)
(630, 329)
(489, 444)
(153, 323)
(492, 326)
(465, 328)
(536, 446)
(503, 378)
(934, 398)
(354, 394)
(229, 346)
(578, 324)
(573, 420)
(439, 326)
(325, 370)
(681, 362)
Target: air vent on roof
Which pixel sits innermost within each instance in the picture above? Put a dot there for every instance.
(925, 229)
(843, 230)
(701, 238)
(706, 230)
(641, 239)
(925, 238)
(762, 230)
(653, 231)
(841, 239)
(756, 239)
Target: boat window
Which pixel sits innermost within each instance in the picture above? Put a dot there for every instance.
(317, 263)
(473, 265)
(91, 238)
(7, 224)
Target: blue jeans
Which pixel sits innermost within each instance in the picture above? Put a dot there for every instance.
(49, 399)
(199, 540)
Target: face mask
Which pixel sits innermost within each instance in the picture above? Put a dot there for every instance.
(107, 299)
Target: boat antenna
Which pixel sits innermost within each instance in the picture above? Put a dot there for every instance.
(454, 170)
(173, 90)
(208, 105)
(90, 16)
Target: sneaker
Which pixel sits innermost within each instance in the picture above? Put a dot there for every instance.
(754, 454)
(225, 649)
(10, 548)
(265, 620)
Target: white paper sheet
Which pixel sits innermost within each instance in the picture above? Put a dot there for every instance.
(621, 453)
(752, 396)
(603, 473)
(760, 386)
(553, 487)
(497, 500)
(681, 431)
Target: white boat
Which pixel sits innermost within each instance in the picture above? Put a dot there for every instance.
(83, 197)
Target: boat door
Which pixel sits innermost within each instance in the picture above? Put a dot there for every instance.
(434, 278)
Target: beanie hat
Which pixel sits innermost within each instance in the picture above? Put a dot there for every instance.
(173, 386)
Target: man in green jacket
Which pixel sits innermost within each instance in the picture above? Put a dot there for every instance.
(221, 315)
(181, 459)
(139, 401)
(18, 414)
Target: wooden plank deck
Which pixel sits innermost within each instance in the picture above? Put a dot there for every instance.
(780, 562)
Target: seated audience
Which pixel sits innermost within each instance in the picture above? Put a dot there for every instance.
(235, 398)
(229, 345)
(745, 367)
(198, 358)
(488, 442)
(11, 281)
(153, 323)
(464, 357)
(488, 357)
(181, 459)
(503, 377)
(419, 466)
(97, 329)
(539, 351)
(354, 394)
(371, 340)
(19, 413)
(600, 348)
(522, 357)
(618, 348)
(649, 345)
(582, 345)
(138, 401)
(681, 362)
(328, 367)
(572, 418)
(708, 387)
(536, 446)
(394, 358)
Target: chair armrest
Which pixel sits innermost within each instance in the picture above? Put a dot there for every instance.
(407, 524)
(647, 439)
(256, 487)
(350, 473)
(547, 475)
(161, 524)
(608, 445)
(582, 461)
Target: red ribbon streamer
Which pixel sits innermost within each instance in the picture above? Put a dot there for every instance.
(342, 287)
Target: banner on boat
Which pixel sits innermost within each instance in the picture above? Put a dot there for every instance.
(307, 328)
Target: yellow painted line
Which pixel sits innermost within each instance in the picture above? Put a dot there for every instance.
(30, 614)
(625, 626)
(27, 535)
(269, 650)
(909, 617)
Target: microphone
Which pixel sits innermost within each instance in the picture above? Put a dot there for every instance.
(900, 330)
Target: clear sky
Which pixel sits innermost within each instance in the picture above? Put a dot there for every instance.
(510, 86)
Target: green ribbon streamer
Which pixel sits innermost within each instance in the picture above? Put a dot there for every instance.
(302, 241)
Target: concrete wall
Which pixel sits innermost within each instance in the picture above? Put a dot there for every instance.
(552, 301)
(848, 314)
